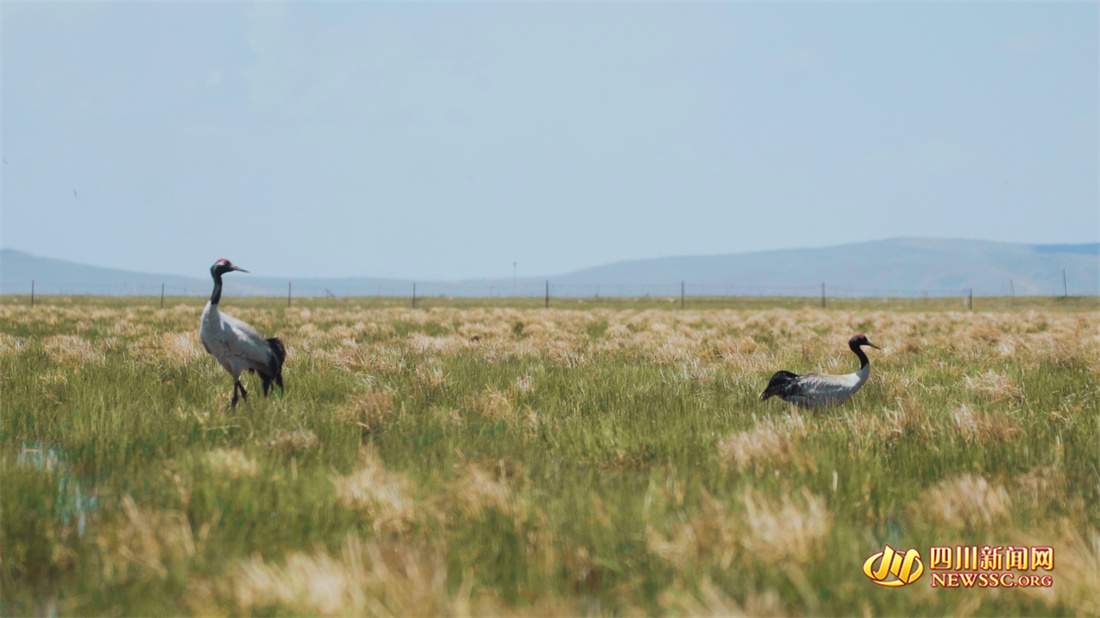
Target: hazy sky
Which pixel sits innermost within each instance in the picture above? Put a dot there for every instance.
(449, 140)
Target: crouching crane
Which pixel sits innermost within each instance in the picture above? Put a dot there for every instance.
(238, 346)
(816, 390)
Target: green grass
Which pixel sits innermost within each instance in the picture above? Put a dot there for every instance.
(596, 458)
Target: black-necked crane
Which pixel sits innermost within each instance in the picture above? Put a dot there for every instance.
(816, 390)
(238, 346)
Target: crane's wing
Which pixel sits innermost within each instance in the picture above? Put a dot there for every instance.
(780, 385)
(823, 389)
(246, 342)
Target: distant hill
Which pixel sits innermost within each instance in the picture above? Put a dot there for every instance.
(51, 276)
(901, 266)
(18, 269)
(895, 267)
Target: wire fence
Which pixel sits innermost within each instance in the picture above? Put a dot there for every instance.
(697, 291)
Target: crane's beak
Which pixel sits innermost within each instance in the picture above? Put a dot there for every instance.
(231, 267)
(873, 345)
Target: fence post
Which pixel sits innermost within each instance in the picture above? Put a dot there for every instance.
(822, 295)
(547, 305)
(681, 294)
(162, 296)
(1065, 288)
(970, 299)
(32, 292)
(414, 295)
(289, 284)
(1012, 288)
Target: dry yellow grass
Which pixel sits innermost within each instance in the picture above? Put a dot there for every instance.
(481, 486)
(492, 404)
(381, 579)
(430, 376)
(701, 341)
(707, 538)
(378, 494)
(172, 348)
(293, 442)
(367, 410)
(1076, 571)
(1041, 487)
(10, 344)
(381, 358)
(771, 444)
(966, 501)
(144, 543)
(789, 531)
(864, 430)
(982, 427)
(1079, 570)
(73, 350)
(232, 463)
(996, 386)
(377, 578)
(711, 601)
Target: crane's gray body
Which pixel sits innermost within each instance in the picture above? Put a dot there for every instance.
(238, 346)
(817, 390)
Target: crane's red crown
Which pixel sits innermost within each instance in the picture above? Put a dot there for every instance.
(220, 260)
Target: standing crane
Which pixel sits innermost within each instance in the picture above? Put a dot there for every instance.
(238, 346)
(816, 390)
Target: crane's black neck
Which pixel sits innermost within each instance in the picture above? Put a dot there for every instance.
(217, 294)
(855, 348)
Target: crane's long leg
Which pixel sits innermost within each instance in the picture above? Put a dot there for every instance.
(237, 385)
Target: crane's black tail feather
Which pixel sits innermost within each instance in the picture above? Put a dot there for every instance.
(780, 384)
(274, 371)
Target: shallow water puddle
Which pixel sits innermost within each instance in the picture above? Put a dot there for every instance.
(76, 500)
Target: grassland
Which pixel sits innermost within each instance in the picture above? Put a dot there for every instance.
(471, 458)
